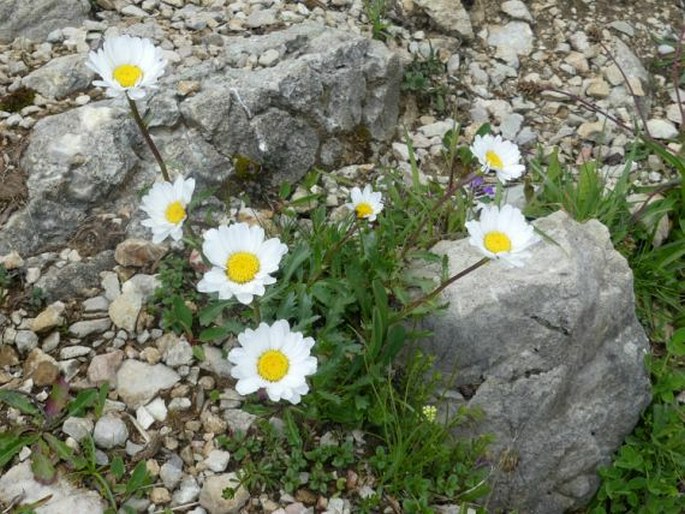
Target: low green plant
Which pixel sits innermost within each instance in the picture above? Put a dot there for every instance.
(354, 287)
(375, 11)
(177, 287)
(424, 78)
(48, 452)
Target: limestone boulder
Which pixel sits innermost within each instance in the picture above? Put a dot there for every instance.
(553, 354)
(37, 18)
(328, 93)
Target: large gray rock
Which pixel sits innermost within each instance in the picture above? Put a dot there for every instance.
(60, 77)
(35, 19)
(329, 91)
(553, 354)
(448, 15)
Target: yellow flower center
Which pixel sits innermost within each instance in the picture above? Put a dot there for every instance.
(175, 213)
(127, 75)
(494, 160)
(273, 365)
(497, 242)
(242, 267)
(363, 210)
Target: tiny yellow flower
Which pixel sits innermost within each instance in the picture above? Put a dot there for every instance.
(430, 412)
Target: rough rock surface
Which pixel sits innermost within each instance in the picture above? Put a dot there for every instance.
(553, 353)
(329, 88)
(62, 496)
(37, 18)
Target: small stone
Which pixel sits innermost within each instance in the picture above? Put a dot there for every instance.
(49, 318)
(103, 368)
(132, 10)
(187, 492)
(212, 422)
(261, 18)
(109, 432)
(400, 151)
(138, 382)
(212, 499)
(42, 368)
(578, 61)
(96, 304)
(160, 495)
(437, 129)
(622, 26)
(8, 356)
(661, 129)
(151, 355)
(144, 417)
(110, 283)
(188, 87)
(179, 404)
(78, 428)
(239, 420)
(51, 342)
(72, 352)
(11, 261)
(269, 58)
(144, 285)
(157, 409)
(517, 10)
(175, 351)
(82, 329)
(124, 310)
(592, 130)
(171, 474)
(32, 275)
(665, 49)
(217, 460)
(597, 89)
(138, 252)
(25, 340)
(674, 114)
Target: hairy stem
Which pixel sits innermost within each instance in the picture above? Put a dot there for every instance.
(148, 138)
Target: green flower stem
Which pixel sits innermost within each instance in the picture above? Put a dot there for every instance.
(448, 194)
(417, 303)
(330, 252)
(148, 138)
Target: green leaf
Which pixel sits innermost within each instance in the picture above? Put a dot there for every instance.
(199, 353)
(102, 397)
(183, 314)
(295, 260)
(60, 448)
(11, 443)
(139, 478)
(676, 346)
(117, 467)
(43, 470)
(210, 313)
(19, 401)
(83, 401)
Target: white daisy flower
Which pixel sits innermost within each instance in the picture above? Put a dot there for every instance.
(502, 234)
(128, 65)
(273, 358)
(166, 205)
(365, 204)
(242, 261)
(498, 155)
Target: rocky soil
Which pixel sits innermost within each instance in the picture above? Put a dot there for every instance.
(575, 75)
